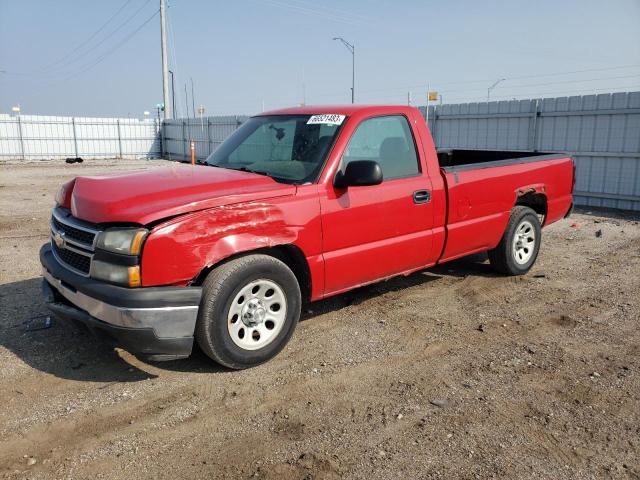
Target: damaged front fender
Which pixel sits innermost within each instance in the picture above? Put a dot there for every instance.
(177, 251)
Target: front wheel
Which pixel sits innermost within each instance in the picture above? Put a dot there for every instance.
(250, 307)
(518, 249)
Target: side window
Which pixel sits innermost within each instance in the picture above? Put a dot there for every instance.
(388, 141)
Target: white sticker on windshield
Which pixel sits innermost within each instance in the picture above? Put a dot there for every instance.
(326, 119)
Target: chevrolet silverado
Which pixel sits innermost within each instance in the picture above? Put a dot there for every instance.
(295, 206)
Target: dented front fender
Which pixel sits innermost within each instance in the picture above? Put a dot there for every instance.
(176, 251)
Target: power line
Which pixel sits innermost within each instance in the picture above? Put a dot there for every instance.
(509, 87)
(76, 58)
(484, 80)
(402, 94)
(332, 11)
(575, 71)
(481, 97)
(88, 66)
(582, 92)
(313, 11)
(551, 83)
(91, 37)
(118, 45)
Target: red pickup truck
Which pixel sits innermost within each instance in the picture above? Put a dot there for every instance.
(295, 206)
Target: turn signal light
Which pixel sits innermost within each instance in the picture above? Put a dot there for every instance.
(134, 275)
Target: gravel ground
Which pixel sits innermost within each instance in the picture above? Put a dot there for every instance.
(453, 372)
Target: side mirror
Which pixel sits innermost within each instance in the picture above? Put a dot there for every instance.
(359, 173)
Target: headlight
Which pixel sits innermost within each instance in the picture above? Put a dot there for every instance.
(120, 274)
(127, 241)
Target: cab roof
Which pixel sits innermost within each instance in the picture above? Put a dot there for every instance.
(347, 110)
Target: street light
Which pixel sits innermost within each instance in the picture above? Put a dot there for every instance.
(173, 97)
(352, 49)
(16, 109)
(159, 108)
(201, 112)
(494, 86)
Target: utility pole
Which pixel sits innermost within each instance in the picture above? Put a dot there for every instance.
(173, 95)
(193, 102)
(165, 62)
(353, 74)
(186, 99)
(493, 86)
(352, 49)
(427, 116)
(201, 113)
(304, 89)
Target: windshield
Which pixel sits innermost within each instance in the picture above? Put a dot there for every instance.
(287, 148)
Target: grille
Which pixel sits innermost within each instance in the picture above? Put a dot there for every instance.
(73, 259)
(72, 241)
(73, 233)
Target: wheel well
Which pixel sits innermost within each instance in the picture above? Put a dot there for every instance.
(290, 255)
(535, 201)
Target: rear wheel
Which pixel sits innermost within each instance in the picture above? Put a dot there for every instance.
(250, 307)
(518, 249)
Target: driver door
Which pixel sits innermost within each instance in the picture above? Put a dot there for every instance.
(374, 232)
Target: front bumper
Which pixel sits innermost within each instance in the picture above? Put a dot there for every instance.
(154, 322)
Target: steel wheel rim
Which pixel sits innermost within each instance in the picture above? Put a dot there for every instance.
(257, 314)
(524, 242)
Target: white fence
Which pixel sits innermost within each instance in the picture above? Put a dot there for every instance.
(33, 137)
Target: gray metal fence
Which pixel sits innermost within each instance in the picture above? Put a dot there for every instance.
(32, 137)
(602, 132)
(206, 133)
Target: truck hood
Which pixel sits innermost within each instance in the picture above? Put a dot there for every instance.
(144, 197)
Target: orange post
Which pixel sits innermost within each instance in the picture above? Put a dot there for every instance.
(193, 153)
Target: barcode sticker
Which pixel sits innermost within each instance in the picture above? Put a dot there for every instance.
(326, 119)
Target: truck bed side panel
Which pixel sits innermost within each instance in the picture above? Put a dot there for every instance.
(480, 199)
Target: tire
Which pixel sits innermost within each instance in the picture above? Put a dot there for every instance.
(518, 249)
(238, 324)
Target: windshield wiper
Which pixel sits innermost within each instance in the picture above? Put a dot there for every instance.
(245, 169)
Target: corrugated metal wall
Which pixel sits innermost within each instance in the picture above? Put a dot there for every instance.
(206, 133)
(602, 132)
(32, 137)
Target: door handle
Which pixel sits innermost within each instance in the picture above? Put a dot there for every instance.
(421, 196)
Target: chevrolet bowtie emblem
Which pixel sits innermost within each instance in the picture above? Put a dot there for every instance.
(58, 238)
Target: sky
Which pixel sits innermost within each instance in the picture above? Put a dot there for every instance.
(102, 58)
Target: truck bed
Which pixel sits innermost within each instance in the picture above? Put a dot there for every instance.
(480, 195)
(448, 158)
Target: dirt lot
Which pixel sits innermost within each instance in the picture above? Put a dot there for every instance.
(450, 373)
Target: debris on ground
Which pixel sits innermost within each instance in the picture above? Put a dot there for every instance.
(74, 160)
(68, 400)
(39, 322)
